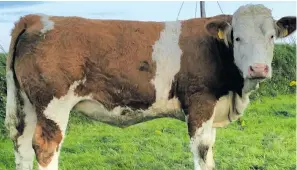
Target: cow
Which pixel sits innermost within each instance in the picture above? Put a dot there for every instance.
(199, 70)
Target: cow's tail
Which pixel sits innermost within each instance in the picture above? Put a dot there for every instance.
(12, 119)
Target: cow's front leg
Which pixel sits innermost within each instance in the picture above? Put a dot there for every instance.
(202, 135)
(210, 160)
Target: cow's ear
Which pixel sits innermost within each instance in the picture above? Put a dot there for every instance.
(285, 26)
(219, 29)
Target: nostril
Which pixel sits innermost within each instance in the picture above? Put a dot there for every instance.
(266, 69)
(251, 69)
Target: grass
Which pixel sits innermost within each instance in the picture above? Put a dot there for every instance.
(266, 142)
(2, 95)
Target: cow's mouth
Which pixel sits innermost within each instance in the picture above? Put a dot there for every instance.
(257, 78)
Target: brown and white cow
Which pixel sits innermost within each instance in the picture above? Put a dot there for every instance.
(126, 72)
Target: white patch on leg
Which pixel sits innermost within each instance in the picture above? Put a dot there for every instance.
(209, 158)
(11, 120)
(47, 23)
(25, 154)
(203, 136)
(167, 55)
(58, 110)
(17, 160)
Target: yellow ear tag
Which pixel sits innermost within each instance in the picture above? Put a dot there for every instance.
(221, 34)
(285, 32)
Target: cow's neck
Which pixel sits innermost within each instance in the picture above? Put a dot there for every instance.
(231, 76)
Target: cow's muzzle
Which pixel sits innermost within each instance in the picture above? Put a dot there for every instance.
(258, 71)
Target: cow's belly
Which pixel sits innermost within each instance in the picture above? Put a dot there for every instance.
(125, 116)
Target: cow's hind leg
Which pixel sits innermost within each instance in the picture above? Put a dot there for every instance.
(46, 142)
(50, 130)
(24, 153)
(48, 137)
(51, 127)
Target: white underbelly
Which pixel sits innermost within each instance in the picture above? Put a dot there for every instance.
(120, 114)
(125, 115)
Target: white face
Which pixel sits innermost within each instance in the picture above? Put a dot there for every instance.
(253, 42)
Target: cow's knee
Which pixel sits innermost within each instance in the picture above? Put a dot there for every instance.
(46, 141)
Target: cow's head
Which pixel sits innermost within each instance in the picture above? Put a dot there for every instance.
(252, 32)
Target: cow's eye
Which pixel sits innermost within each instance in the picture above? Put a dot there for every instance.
(237, 39)
(272, 36)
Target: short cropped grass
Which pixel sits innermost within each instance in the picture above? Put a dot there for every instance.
(265, 141)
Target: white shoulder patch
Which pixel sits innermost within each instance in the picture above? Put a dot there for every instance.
(47, 23)
(167, 55)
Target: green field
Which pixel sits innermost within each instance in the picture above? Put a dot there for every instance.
(267, 141)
